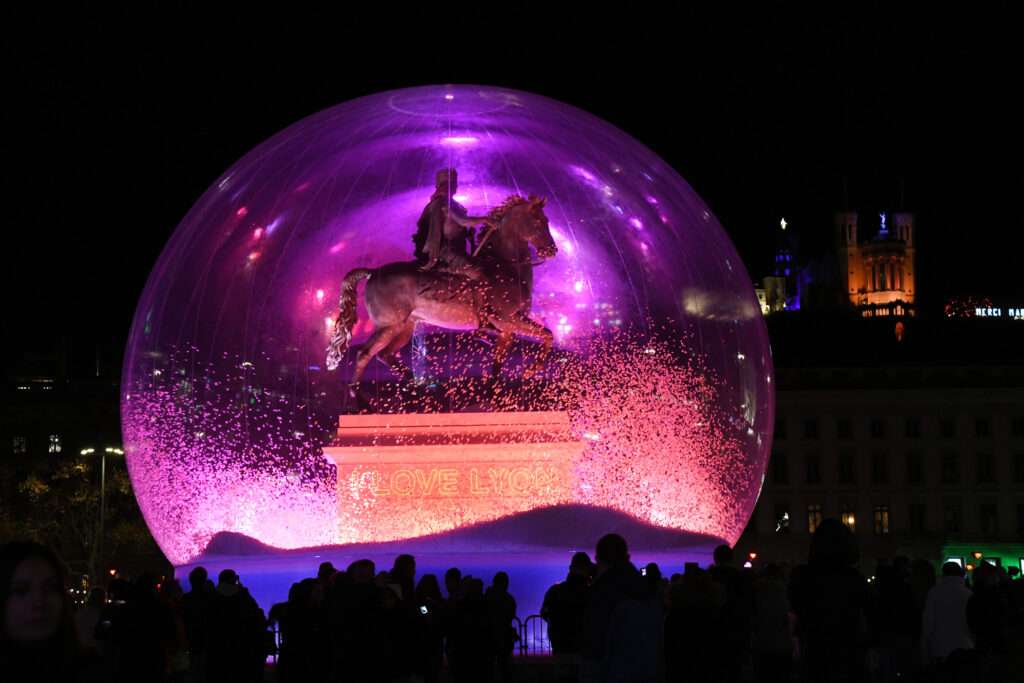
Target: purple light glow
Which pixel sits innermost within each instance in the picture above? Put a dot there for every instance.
(661, 359)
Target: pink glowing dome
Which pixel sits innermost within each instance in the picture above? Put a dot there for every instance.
(661, 356)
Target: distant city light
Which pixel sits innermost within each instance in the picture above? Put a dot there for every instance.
(783, 223)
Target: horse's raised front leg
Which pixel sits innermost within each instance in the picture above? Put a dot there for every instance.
(501, 349)
(521, 324)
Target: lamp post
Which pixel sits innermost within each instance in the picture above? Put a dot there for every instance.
(109, 450)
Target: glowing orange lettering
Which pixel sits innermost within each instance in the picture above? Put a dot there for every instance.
(378, 485)
(403, 482)
(498, 477)
(519, 481)
(449, 482)
(474, 484)
(424, 485)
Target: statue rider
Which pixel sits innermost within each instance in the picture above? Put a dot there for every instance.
(442, 230)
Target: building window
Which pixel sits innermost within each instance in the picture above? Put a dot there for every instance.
(55, 443)
(1018, 468)
(952, 515)
(982, 427)
(877, 428)
(988, 519)
(780, 428)
(814, 517)
(985, 472)
(811, 428)
(947, 427)
(1017, 426)
(848, 518)
(915, 469)
(918, 518)
(913, 428)
(950, 468)
(781, 518)
(847, 469)
(881, 520)
(19, 445)
(879, 468)
(780, 468)
(844, 428)
(813, 463)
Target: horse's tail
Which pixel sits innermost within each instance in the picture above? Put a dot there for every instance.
(346, 319)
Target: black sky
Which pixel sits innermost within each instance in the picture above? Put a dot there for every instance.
(114, 124)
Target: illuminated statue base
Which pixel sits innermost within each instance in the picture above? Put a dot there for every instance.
(485, 492)
(410, 475)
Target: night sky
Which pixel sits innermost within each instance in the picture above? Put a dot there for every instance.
(115, 124)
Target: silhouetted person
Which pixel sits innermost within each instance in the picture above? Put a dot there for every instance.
(430, 605)
(501, 611)
(237, 628)
(622, 623)
(829, 597)
(735, 619)
(143, 631)
(37, 631)
(453, 587)
(988, 618)
(195, 608)
(944, 623)
(176, 649)
(895, 622)
(563, 610)
(469, 637)
(87, 619)
(771, 641)
(692, 627)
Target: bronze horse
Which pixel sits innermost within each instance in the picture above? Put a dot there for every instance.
(398, 295)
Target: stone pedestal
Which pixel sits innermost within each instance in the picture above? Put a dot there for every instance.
(403, 476)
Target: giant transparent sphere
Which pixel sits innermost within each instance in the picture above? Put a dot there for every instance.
(660, 360)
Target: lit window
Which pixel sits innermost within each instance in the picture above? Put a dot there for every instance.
(849, 518)
(881, 520)
(814, 517)
(20, 444)
(55, 446)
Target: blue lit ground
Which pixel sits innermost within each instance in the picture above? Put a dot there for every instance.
(534, 548)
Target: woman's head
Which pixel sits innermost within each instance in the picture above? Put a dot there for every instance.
(33, 599)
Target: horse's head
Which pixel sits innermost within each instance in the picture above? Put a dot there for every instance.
(537, 231)
(524, 221)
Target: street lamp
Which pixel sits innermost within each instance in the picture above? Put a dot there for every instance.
(109, 450)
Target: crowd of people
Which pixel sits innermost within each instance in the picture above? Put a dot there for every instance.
(607, 622)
